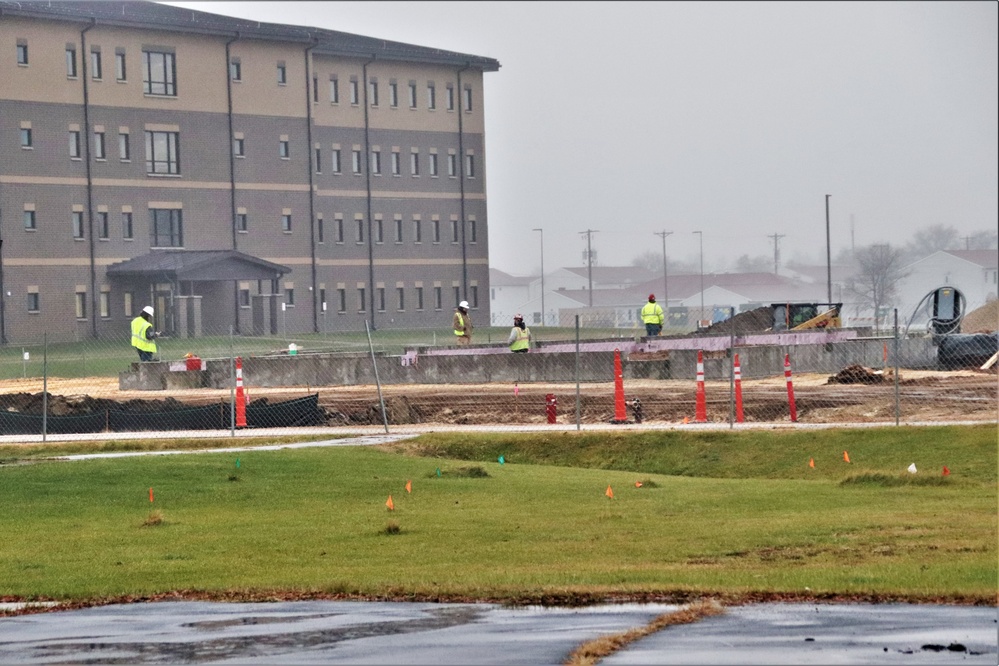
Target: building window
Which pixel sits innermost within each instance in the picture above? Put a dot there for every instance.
(105, 305)
(373, 93)
(431, 97)
(242, 223)
(30, 221)
(129, 297)
(457, 295)
(162, 153)
(26, 138)
(103, 227)
(396, 168)
(437, 230)
(167, 227)
(379, 232)
(438, 299)
(159, 73)
(433, 164)
(71, 61)
(450, 98)
(244, 298)
(381, 299)
(475, 296)
(282, 74)
(412, 95)
(417, 231)
(284, 149)
(394, 95)
(77, 220)
(341, 297)
(338, 230)
(471, 231)
(454, 231)
(239, 147)
(96, 66)
(319, 160)
(124, 149)
(99, 146)
(81, 305)
(354, 92)
(336, 160)
(320, 230)
(315, 89)
(398, 231)
(127, 231)
(361, 304)
(235, 70)
(470, 166)
(359, 233)
(376, 162)
(120, 72)
(401, 296)
(414, 164)
(452, 165)
(286, 223)
(34, 302)
(74, 144)
(334, 91)
(468, 99)
(419, 298)
(22, 53)
(355, 156)
(289, 296)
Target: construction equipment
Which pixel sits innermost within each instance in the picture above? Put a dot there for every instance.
(805, 316)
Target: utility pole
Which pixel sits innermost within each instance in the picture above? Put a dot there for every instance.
(776, 238)
(700, 238)
(589, 260)
(542, 275)
(828, 256)
(663, 235)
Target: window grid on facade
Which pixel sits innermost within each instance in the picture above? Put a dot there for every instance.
(376, 162)
(71, 62)
(452, 165)
(239, 147)
(412, 95)
(398, 231)
(454, 231)
(450, 98)
(380, 294)
(355, 157)
(379, 232)
(474, 295)
(468, 99)
(419, 298)
(99, 146)
(96, 66)
(242, 223)
(74, 144)
(34, 302)
(124, 149)
(438, 298)
(22, 54)
(120, 70)
(103, 225)
(286, 222)
(417, 231)
(284, 150)
(336, 160)
(319, 160)
(30, 220)
(289, 296)
(362, 305)
(373, 93)
(162, 153)
(77, 221)
(334, 91)
(105, 304)
(159, 73)
(436, 225)
(470, 166)
(471, 231)
(393, 95)
(400, 293)
(359, 235)
(166, 227)
(341, 297)
(396, 167)
(315, 89)
(282, 74)
(26, 137)
(338, 230)
(235, 70)
(414, 164)
(80, 305)
(433, 164)
(127, 230)
(431, 96)
(457, 295)
(354, 92)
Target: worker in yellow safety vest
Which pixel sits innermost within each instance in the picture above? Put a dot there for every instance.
(462, 324)
(143, 334)
(652, 316)
(520, 336)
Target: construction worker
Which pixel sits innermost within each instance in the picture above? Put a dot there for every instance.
(462, 324)
(520, 336)
(143, 334)
(652, 316)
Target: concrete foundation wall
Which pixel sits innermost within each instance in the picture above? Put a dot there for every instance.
(472, 368)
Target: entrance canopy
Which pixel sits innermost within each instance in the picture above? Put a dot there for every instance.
(197, 266)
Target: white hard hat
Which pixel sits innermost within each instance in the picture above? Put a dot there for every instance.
(148, 310)
(463, 305)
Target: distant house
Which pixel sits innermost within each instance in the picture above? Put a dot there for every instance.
(508, 295)
(975, 273)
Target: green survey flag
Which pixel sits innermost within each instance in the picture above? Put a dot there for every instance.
(438, 471)
(502, 460)
(237, 463)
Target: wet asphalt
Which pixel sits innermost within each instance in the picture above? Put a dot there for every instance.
(410, 634)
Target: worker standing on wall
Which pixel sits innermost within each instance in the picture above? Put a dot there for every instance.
(462, 324)
(143, 334)
(652, 316)
(520, 336)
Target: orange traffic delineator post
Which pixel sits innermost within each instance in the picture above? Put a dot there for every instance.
(620, 412)
(701, 410)
(150, 494)
(790, 388)
(737, 374)
(240, 397)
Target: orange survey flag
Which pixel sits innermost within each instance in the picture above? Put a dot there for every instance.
(390, 504)
(946, 471)
(609, 493)
(409, 486)
(811, 463)
(846, 457)
(638, 484)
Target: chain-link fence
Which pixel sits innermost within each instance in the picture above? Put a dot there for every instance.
(392, 379)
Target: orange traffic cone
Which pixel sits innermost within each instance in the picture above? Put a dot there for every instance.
(620, 413)
(701, 407)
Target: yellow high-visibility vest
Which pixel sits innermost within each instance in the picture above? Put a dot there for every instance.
(139, 341)
(461, 322)
(652, 314)
(523, 339)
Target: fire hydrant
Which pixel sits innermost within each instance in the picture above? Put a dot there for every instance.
(551, 405)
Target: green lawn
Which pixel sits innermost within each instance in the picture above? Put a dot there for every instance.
(726, 513)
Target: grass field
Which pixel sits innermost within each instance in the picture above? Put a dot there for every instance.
(730, 514)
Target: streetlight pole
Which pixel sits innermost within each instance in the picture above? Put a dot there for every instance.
(542, 275)
(828, 256)
(589, 261)
(664, 234)
(700, 239)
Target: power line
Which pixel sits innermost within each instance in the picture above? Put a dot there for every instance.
(589, 260)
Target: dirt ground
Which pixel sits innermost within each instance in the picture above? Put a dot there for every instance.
(923, 396)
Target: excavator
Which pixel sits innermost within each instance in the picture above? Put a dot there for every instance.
(806, 316)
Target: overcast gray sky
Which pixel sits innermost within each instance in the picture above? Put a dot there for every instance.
(731, 118)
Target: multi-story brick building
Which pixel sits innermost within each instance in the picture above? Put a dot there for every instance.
(232, 173)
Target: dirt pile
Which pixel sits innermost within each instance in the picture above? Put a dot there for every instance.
(751, 321)
(982, 320)
(858, 374)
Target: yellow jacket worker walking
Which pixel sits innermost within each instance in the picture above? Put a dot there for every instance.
(143, 334)
(652, 316)
(462, 324)
(520, 336)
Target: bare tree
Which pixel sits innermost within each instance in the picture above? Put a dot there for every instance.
(757, 264)
(651, 261)
(929, 239)
(875, 284)
(982, 240)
